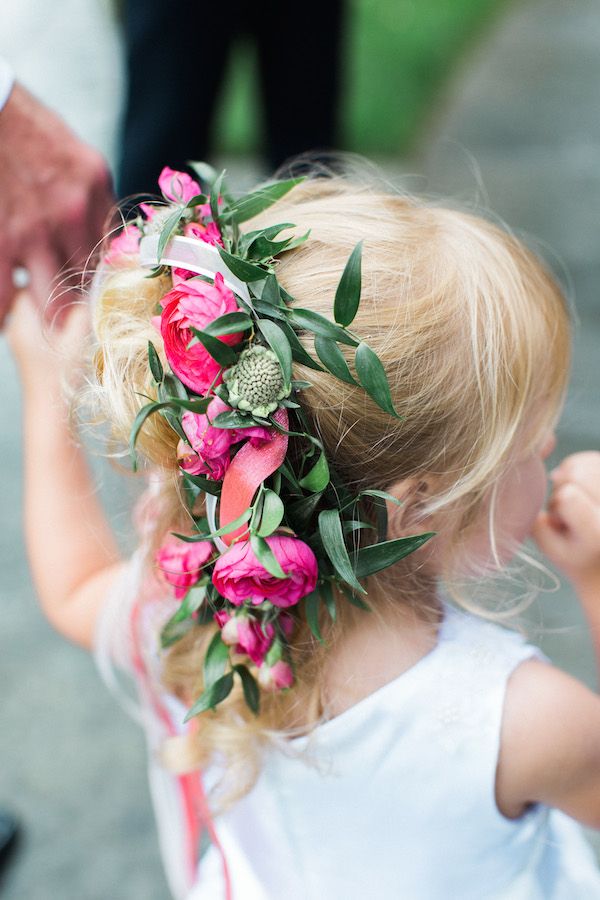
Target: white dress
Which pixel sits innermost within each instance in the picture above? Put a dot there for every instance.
(394, 798)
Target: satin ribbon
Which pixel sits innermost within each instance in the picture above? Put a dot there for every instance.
(249, 468)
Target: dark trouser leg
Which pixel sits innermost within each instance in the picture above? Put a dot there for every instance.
(300, 58)
(176, 57)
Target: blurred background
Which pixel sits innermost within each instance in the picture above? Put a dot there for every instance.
(490, 101)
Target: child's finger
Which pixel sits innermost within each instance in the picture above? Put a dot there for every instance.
(569, 531)
(582, 469)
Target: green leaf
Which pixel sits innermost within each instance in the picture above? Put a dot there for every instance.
(280, 346)
(225, 529)
(332, 357)
(192, 601)
(271, 515)
(232, 419)
(173, 631)
(379, 556)
(144, 413)
(212, 697)
(199, 481)
(220, 352)
(215, 660)
(198, 200)
(205, 173)
(318, 477)
(383, 495)
(270, 292)
(301, 510)
(311, 605)
(168, 230)
(230, 323)
(347, 295)
(250, 688)
(299, 354)
(371, 375)
(330, 528)
(328, 599)
(269, 233)
(155, 363)
(245, 271)
(354, 600)
(254, 203)
(215, 193)
(266, 557)
(318, 324)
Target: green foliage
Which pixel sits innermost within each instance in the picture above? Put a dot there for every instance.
(347, 295)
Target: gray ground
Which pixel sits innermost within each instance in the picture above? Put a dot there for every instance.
(517, 130)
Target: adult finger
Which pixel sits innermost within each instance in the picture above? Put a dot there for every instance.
(7, 289)
(43, 264)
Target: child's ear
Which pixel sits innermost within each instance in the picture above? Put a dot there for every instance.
(409, 515)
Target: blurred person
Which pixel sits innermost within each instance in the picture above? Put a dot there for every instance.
(55, 194)
(412, 749)
(176, 60)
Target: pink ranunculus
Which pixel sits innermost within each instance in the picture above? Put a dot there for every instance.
(208, 453)
(195, 303)
(181, 563)
(246, 634)
(177, 186)
(277, 677)
(256, 434)
(210, 234)
(214, 469)
(239, 576)
(124, 248)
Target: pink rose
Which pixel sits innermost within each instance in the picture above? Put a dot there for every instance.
(208, 453)
(177, 186)
(210, 234)
(277, 677)
(195, 303)
(181, 563)
(239, 576)
(124, 248)
(246, 634)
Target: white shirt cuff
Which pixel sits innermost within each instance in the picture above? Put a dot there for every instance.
(7, 79)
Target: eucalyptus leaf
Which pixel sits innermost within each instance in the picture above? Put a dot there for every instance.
(318, 477)
(280, 346)
(230, 323)
(318, 324)
(232, 419)
(192, 601)
(301, 510)
(354, 600)
(328, 599)
(245, 271)
(249, 687)
(215, 660)
(376, 557)
(270, 292)
(211, 697)
(311, 606)
(168, 230)
(255, 202)
(332, 535)
(155, 363)
(271, 514)
(371, 375)
(204, 484)
(347, 295)
(299, 354)
(332, 357)
(220, 352)
(266, 557)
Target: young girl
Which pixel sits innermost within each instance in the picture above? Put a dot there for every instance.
(409, 750)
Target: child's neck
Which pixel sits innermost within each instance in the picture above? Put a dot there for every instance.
(377, 648)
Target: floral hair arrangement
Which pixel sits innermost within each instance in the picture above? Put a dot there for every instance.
(278, 529)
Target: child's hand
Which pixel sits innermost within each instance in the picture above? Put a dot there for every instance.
(42, 353)
(568, 532)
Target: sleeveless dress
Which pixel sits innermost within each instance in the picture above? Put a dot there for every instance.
(393, 798)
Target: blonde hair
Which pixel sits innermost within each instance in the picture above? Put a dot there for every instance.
(473, 332)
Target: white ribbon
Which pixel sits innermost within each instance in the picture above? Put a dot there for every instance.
(194, 255)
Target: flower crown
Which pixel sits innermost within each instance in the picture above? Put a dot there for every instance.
(278, 527)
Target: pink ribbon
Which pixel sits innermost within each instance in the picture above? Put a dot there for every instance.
(249, 468)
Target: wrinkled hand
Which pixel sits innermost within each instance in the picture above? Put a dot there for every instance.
(568, 532)
(55, 195)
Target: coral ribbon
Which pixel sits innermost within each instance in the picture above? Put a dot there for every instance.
(249, 468)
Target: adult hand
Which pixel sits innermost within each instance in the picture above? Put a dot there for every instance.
(55, 195)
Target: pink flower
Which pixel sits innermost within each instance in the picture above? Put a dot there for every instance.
(181, 563)
(177, 186)
(124, 248)
(277, 677)
(239, 576)
(195, 303)
(246, 634)
(209, 453)
(256, 434)
(208, 233)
